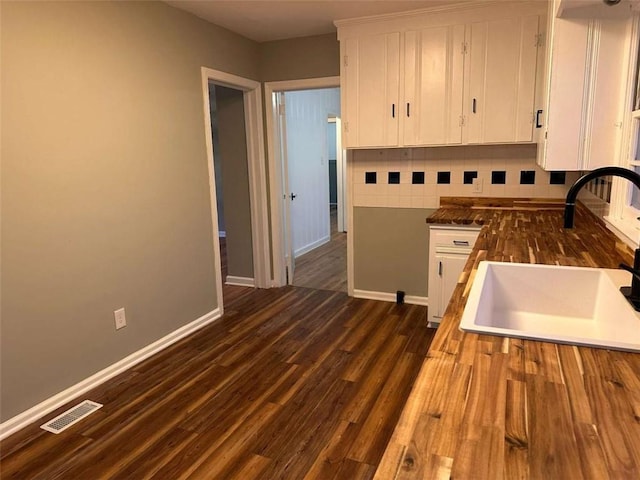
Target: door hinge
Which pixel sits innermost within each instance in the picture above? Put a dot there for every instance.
(464, 48)
(346, 60)
(281, 109)
(539, 40)
(346, 127)
(461, 123)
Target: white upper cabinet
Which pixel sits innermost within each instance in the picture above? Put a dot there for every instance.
(587, 70)
(433, 86)
(444, 76)
(501, 80)
(370, 82)
(597, 8)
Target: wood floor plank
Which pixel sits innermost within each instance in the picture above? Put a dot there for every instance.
(284, 385)
(325, 267)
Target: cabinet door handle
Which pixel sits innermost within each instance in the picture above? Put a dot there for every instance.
(461, 243)
(393, 110)
(538, 124)
(408, 114)
(440, 268)
(473, 106)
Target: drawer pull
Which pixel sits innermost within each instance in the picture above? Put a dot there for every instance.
(461, 243)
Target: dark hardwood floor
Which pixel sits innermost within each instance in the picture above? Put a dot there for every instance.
(290, 383)
(325, 268)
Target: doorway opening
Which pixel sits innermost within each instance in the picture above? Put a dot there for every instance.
(232, 184)
(251, 94)
(308, 198)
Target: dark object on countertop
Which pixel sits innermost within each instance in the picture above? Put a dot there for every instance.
(570, 203)
(632, 293)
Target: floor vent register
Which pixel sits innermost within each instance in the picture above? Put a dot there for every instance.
(71, 416)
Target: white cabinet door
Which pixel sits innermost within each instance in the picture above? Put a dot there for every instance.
(433, 85)
(501, 80)
(450, 268)
(567, 67)
(371, 81)
(587, 71)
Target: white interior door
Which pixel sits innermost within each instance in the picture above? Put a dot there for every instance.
(281, 138)
(307, 161)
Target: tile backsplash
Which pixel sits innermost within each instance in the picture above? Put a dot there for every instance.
(418, 177)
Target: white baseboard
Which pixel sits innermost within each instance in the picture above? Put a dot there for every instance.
(390, 297)
(43, 408)
(311, 246)
(240, 281)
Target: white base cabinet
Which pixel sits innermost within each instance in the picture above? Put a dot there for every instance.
(449, 248)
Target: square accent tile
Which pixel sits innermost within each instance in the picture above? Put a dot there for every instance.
(527, 177)
(557, 178)
(394, 177)
(370, 177)
(444, 177)
(417, 178)
(469, 176)
(498, 177)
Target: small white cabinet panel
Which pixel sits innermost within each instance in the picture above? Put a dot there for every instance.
(449, 248)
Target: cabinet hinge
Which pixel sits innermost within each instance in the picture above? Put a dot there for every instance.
(346, 61)
(539, 40)
(461, 123)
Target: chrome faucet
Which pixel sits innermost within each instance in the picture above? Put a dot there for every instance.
(631, 293)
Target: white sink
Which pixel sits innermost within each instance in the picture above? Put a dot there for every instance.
(572, 305)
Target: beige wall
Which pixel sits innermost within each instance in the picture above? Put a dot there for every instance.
(235, 180)
(105, 197)
(391, 249)
(297, 58)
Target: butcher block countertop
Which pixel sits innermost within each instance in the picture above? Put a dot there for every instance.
(488, 407)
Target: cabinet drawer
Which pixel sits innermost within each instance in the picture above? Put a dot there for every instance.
(460, 241)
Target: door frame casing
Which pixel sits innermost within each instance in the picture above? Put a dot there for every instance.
(252, 95)
(275, 181)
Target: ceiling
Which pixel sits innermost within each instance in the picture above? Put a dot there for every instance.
(266, 20)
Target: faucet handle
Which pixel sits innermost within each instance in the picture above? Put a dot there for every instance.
(631, 270)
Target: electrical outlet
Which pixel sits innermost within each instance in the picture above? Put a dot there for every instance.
(477, 185)
(121, 320)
